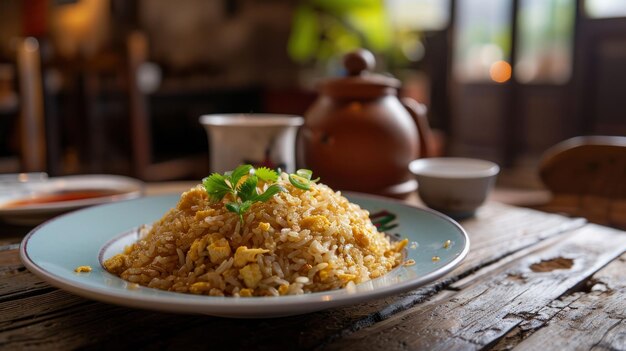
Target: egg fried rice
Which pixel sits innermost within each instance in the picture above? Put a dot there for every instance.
(297, 242)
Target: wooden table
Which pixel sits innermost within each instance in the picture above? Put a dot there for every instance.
(531, 281)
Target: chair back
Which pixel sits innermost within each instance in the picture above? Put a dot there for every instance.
(587, 178)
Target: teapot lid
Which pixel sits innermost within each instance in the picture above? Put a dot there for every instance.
(360, 82)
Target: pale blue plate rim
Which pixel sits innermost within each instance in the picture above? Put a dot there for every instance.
(153, 299)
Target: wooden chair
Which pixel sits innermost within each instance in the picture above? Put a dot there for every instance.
(144, 167)
(587, 178)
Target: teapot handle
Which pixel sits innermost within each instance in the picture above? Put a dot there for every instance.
(418, 112)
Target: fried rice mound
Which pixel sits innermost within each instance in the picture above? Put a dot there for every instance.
(297, 242)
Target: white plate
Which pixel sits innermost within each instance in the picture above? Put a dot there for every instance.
(32, 214)
(86, 237)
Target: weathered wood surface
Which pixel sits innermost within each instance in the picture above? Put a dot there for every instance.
(598, 309)
(493, 300)
(487, 308)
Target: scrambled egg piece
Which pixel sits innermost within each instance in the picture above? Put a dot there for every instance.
(251, 275)
(315, 223)
(324, 274)
(219, 251)
(193, 250)
(243, 255)
(360, 235)
(81, 269)
(115, 264)
(346, 277)
(401, 245)
(283, 289)
(245, 292)
(264, 226)
(199, 287)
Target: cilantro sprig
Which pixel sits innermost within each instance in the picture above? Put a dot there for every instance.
(244, 192)
(302, 179)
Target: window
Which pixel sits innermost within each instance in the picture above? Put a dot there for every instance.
(423, 15)
(410, 18)
(482, 45)
(545, 39)
(605, 8)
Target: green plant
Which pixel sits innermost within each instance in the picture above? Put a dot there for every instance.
(323, 29)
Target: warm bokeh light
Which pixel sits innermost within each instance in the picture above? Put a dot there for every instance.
(80, 27)
(500, 71)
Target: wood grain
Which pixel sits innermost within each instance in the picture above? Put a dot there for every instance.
(493, 305)
(499, 230)
(8, 257)
(600, 311)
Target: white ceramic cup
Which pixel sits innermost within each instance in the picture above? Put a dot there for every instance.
(453, 185)
(258, 139)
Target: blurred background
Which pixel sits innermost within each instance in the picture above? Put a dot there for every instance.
(117, 86)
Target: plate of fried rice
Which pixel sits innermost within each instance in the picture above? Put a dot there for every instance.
(272, 249)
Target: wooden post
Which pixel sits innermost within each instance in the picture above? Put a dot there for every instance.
(137, 45)
(32, 123)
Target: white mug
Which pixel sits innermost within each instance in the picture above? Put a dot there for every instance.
(267, 140)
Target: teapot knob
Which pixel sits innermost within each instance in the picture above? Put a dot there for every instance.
(358, 61)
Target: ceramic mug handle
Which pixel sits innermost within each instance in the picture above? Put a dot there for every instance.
(418, 112)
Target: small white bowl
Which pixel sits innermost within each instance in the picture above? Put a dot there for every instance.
(453, 185)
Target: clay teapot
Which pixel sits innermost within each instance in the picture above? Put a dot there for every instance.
(359, 136)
